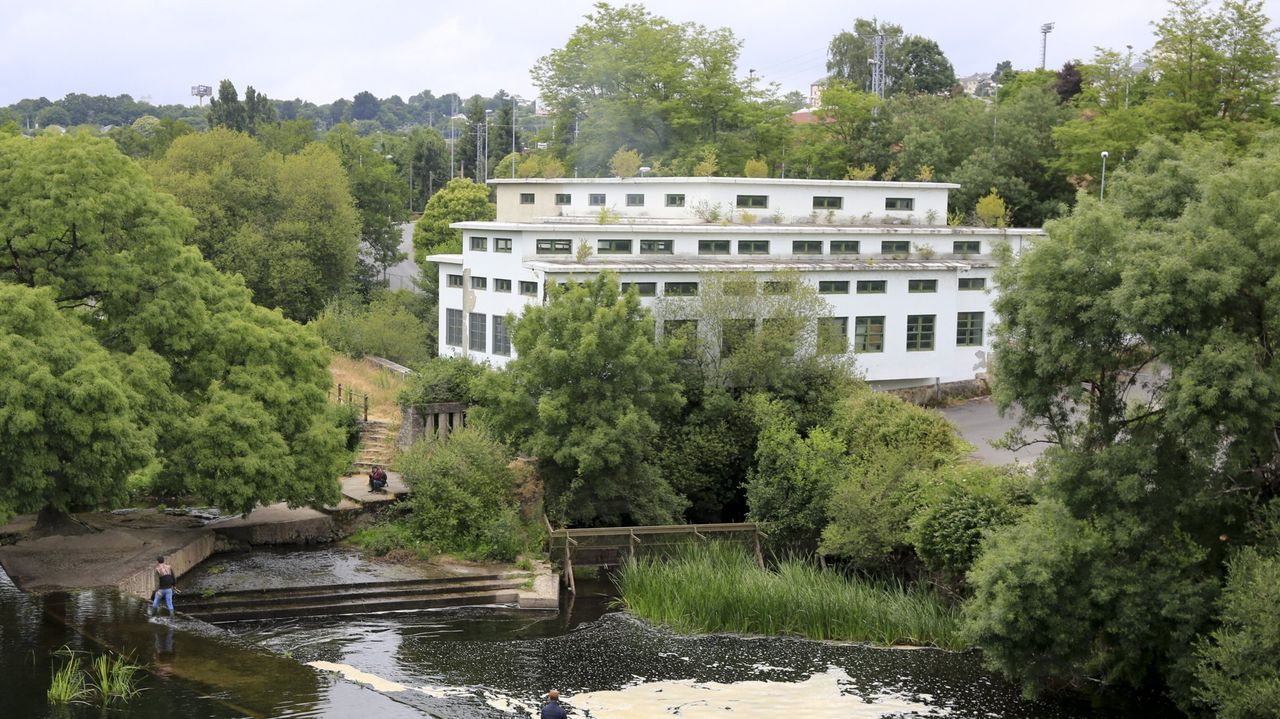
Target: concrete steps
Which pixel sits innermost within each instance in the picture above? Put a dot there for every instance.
(377, 445)
(362, 598)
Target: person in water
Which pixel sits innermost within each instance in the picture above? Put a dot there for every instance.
(377, 479)
(552, 709)
(164, 583)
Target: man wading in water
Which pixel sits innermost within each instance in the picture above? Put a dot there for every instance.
(164, 573)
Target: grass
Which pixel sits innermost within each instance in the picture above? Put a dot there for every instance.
(67, 684)
(382, 386)
(113, 677)
(380, 539)
(717, 588)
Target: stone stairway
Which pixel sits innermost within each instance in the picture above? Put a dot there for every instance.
(377, 445)
(359, 598)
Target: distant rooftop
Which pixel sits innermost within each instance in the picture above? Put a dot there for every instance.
(722, 181)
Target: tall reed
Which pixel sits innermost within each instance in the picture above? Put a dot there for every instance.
(67, 683)
(112, 677)
(718, 588)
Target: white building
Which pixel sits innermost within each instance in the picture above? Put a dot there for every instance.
(912, 295)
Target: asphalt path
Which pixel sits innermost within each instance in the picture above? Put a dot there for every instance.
(980, 424)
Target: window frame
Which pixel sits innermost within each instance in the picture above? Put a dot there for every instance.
(751, 247)
(752, 202)
(899, 204)
(922, 333)
(668, 286)
(635, 199)
(454, 281)
(597, 199)
(501, 336)
(453, 330)
(528, 288)
(479, 244)
(711, 247)
(552, 247)
(670, 247)
(840, 247)
(804, 247)
(481, 324)
(863, 335)
(971, 284)
(528, 198)
(611, 244)
(976, 246)
(502, 244)
(905, 246)
(825, 202)
(479, 283)
(501, 285)
(675, 199)
(967, 335)
(871, 287)
(922, 286)
(843, 334)
(641, 288)
(832, 287)
(564, 199)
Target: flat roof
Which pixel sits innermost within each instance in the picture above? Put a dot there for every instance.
(629, 227)
(722, 181)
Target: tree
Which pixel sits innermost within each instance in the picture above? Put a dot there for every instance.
(364, 106)
(232, 393)
(1069, 81)
(286, 223)
(226, 110)
(586, 395)
(377, 193)
(923, 68)
(258, 111)
(625, 163)
(849, 54)
(69, 419)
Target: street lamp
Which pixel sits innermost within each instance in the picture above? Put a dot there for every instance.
(1102, 191)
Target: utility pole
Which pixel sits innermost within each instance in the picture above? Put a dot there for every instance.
(1128, 75)
(513, 137)
(1045, 29)
(877, 65)
(453, 139)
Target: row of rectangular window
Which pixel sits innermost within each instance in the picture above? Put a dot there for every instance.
(750, 202)
(481, 244)
(833, 332)
(722, 247)
(686, 289)
(476, 332)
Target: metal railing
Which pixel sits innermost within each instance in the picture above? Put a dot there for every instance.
(351, 397)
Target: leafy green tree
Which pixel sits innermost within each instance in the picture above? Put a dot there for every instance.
(364, 106)
(379, 200)
(587, 394)
(923, 68)
(226, 110)
(459, 201)
(625, 163)
(288, 136)
(286, 223)
(849, 54)
(69, 419)
(233, 394)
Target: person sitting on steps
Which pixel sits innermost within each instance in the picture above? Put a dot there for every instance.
(377, 479)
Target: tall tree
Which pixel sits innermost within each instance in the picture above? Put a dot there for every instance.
(364, 106)
(232, 394)
(586, 395)
(226, 110)
(850, 53)
(922, 68)
(379, 199)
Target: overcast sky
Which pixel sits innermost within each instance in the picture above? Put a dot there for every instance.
(320, 50)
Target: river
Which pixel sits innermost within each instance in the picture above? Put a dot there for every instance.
(487, 662)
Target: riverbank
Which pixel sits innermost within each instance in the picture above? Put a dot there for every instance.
(719, 589)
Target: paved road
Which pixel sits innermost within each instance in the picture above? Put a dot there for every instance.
(980, 424)
(401, 276)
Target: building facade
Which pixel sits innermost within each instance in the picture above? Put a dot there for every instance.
(909, 296)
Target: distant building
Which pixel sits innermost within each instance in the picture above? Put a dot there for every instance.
(908, 295)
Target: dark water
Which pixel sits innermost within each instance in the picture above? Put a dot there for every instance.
(475, 662)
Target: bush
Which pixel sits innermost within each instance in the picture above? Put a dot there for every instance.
(347, 416)
(380, 539)
(464, 496)
(441, 379)
(387, 327)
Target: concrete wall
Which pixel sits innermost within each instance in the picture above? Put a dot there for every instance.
(143, 582)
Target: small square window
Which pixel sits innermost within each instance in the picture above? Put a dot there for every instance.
(501, 285)
(479, 283)
(713, 247)
(828, 203)
(753, 201)
(868, 334)
(806, 247)
(455, 280)
(680, 289)
(871, 287)
(477, 325)
(529, 289)
(895, 247)
(635, 200)
(969, 329)
(899, 203)
(675, 201)
(526, 198)
(655, 247)
(920, 332)
(502, 244)
(973, 283)
(595, 199)
(966, 247)
(644, 289)
(753, 247)
(564, 198)
(479, 244)
(613, 247)
(844, 247)
(833, 287)
(922, 285)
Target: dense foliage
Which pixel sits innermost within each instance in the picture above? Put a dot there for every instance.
(229, 397)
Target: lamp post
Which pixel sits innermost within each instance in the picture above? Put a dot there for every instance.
(513, 137)
(1128, 75)
(1102, 191)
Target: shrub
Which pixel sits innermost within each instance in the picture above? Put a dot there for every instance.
(625, 163)
(441, 379)
(347, 416)
(381, 539)
(755, 167)
(387, 327)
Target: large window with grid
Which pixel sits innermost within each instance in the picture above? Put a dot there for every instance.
(636, 200)
(595, 199)
(753, 247)
(868, 334)
(479, 244)
(895, 247)
(806, 247)
(922, 285)
(478, 325)
(501, 340)
(920, 332)
(529, 288)
(655, 247)
(969, 329)
(753, 202)
(899, 203)
(973, 283)
(526, 198)
(844, 247)
(872, 287)
(453, 328)
(833, 335)
(644, 289)
(555, 247)
(713, 247)
(502, 244)
(966, 247)
(827, 203)
(564, 198)
(679, 289)
(833, 287)
(613, 247)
